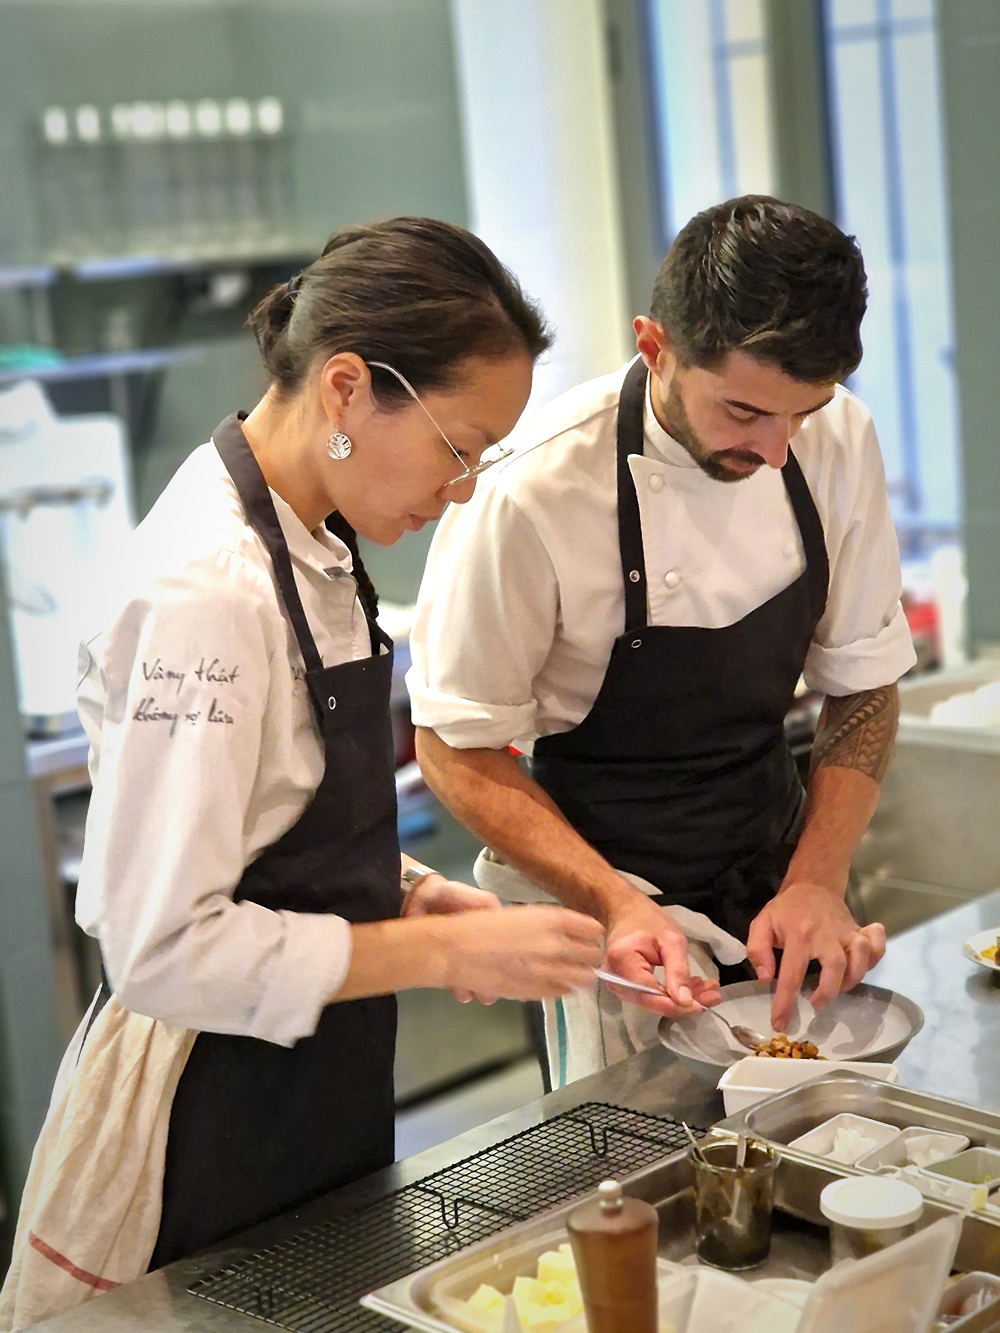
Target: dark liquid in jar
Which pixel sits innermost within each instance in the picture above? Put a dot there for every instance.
(734, 1217)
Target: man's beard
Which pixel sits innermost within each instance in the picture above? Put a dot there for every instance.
(714, 464)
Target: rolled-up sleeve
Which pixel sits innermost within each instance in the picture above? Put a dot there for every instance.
(863, 640)
(177, 690)
(483, 627)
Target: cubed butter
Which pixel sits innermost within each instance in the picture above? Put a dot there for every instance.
(486, 1297)
(555, 1266)
(543, 1303)
(542, 1318)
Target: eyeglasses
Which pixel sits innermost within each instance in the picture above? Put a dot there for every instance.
(496, 453)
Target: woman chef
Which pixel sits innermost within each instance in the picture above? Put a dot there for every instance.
(241, 869)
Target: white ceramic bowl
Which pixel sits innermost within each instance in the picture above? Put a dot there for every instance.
(866, 1023)
(750, 1080)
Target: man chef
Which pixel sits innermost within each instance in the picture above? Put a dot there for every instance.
(632, 600)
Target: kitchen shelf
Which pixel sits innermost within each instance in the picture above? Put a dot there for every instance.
(106, 268)
(104, 364)
(15, 276)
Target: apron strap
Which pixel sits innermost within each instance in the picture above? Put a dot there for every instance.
(631, 406)
(813, 541)
(253, 491)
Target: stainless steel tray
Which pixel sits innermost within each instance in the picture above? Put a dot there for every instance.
(799, 1242)
(786, 1116)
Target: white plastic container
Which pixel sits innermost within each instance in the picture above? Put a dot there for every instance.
(821, 1141)
(868, 1214)
(974, 1166)
(752, 1079)
(914, 1146)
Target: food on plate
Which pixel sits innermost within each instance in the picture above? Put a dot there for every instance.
(990, 953)
(543, 1303)
(780, 1047)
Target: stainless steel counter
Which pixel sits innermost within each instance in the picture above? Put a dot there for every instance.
(954, 1055)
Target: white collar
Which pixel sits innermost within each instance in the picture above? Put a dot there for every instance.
(319, 549)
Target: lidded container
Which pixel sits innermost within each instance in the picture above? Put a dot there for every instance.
(614, 1239)
(868, 1214)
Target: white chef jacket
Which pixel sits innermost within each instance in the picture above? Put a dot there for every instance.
(204, 750)
(522, 595)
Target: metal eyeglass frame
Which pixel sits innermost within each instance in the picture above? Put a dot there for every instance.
(498, 452)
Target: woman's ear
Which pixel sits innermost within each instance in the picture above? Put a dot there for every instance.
(342, 378)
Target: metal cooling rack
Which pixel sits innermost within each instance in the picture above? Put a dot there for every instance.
(312, 1282)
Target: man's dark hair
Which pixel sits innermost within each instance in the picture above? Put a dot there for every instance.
(768, 278)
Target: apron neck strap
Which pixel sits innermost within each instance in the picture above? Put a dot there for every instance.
(811, 530)
(631, 407)
(631, 410)
(253, 491)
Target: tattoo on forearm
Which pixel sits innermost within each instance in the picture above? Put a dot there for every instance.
(857, 731)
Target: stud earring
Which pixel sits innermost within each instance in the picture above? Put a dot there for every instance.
(338, 445)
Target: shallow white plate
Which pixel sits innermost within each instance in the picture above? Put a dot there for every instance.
(866, 1023)
(975, 944)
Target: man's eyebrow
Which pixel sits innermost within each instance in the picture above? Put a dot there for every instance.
(760, 411)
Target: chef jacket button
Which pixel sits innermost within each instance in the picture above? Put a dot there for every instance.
(656, 482)
(331, 703)
(671, 578)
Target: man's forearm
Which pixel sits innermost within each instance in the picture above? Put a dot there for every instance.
(490, 794)
(851, 753)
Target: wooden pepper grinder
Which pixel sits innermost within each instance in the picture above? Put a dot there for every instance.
(614, 1241)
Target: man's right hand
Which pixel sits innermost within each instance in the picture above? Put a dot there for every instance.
(641, 937)
(523, 953)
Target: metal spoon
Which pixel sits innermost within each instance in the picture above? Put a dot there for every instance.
(745, 1036)
(613, 979)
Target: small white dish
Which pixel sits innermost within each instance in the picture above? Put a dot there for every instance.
(820, 1139)
(752, 1079)
(902, 1150)
(975, 944)
(974, 1166)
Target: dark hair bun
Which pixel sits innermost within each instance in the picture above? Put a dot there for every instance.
(269, 320)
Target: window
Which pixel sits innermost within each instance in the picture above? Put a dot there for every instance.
(716, 131)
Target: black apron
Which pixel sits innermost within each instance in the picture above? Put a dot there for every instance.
(680, 772)
(255, 1128)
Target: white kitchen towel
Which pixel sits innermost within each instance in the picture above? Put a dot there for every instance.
(591, 1029)
(90, 1213)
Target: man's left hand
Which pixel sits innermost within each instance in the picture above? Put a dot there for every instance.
(806, 921)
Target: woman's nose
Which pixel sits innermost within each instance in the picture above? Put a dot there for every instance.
(458, 492)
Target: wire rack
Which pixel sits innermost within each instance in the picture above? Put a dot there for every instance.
(312, 1282)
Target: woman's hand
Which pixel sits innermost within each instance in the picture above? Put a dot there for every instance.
(436, 896)
(447, 940)
(522, 953)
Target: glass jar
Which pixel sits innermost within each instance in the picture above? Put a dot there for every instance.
(869, 1213)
